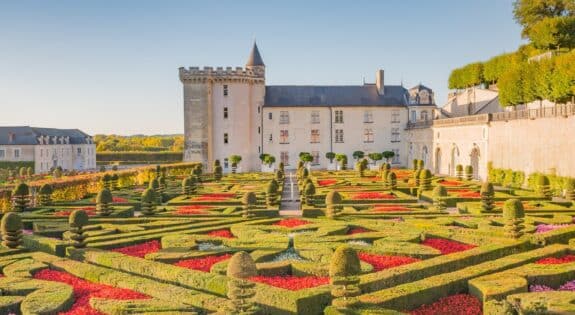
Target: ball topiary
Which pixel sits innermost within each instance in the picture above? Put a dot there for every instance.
(332, 201)
(148, 206)
(513, 214)
(439, 195)
(104, 201)
(45, 195)
(77, 220)
(21, 197)
(11, 228)
(241, 292)
(487, 195)
(343, 270)
(249, 199)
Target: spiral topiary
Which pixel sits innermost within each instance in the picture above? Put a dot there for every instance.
(11, 228)
(218, 172)
(77, 220)
(415, 164)
(425, 177)
(148, 202)
(332, 201)
(241, 292)
(45, 195)
(155, 186)
(391, 182)
(570, 189)
(21, 197)
(272, 193)
(344, 269)
(249, 199)
(309, 193)
(420, 164)
(107, 181)
(513, 214)
(384, 171)
(415, 177)
(468, 172)
(115, 182)
(197, 173)
(459, 171)
(104, 201)
(439, 195)
(543, 187)
(487, 195)
(280, 176)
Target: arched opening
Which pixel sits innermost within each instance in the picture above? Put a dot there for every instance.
(438, 161)
(474, 159)
(454, 159)
(424, 154)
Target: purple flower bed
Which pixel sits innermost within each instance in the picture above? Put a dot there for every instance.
(568, 286)
(543, 228)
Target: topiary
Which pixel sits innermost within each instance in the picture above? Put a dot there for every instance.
(332, 201)
(249, 199)
(155, 186)
(570, 189)
(272, 193)
(29, 171)
(391, 182)
(148, 202)
(468, 172)
(543, 187)
(197, 173)
(280, 176)
(439, 195)
(241, 292)
(218, 172)
(416, 176)
(216, 163)
(77, 220)
(420, 164)
(344, 269)
(309, 193)
(281, 167)
(107, 181)
(21, 197)
(11, 228)
(513, 214)
(487, 195)
(425, 177)
(459, 171)
(114, 183)
(415, 164)
(104, 201)
(45, 195)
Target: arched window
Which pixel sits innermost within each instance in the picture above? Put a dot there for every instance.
(424, 115)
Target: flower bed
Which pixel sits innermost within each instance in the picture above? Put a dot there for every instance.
(458, 304)
(465, 193)
(291, 223)
(292, 283)
(226, 233)
(203, 263)
(139, 250)
(543, 228)
(450, 183)
(90, 211)
(568, 286)
(357, 230)
(556, 260)
(380, 262)
(446, 246)
(371, 195)
(215, 197)
(85, 290)
(326, 182)
(382, 208)
(191, 210)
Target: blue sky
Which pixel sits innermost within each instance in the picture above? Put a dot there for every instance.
(111, 66)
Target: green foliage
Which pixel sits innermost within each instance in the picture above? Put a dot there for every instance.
(494, 68)
(513, 214)
(77, 220)
(415, 164)
(358, 155)
(342, 159)
(11, 228)
(547, 23)
(104, 201)
(570, 189)
(218, 172)
(360, 167)
(391, 181)
(468, 172)
(332, 201)
(416, 177)
(375, 156)
(425, 180)
(115, 143)
(45, 195)
(439, 195)
(148, 202)
(235, 160)
(467, 76)
(330, 156)
(387, 155)
(272, 192)
(305, 157)
(309, 193)
(115, 181)
(459, 171)
(487, 195)
(249, 199)
(217, 163)
(344, 262)
(241, 292)
(543, 188)
(280, 176)
(21, 196)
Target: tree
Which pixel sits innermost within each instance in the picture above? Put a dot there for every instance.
(487, 195)
(272, 192)
(530, 13)
(330, 156)
(342, 159)
(235, 160)
(511, 91)
(269, 160)
(563, 78)
(309, 193)
(306, 157)
(45, 195)
(553, 33)
(148, 205)
(358, 155)
(387, 155)
(375, 157)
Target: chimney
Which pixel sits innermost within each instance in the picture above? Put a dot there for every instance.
(379, 81)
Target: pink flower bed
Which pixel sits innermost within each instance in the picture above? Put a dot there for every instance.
(191, 210)
(291, 223)
(382, 208)
(326, 182)
(226, 233)
(371, 195)
(556, 260)
(292, 283)
(543, 228)
(139, 250)
(202, 264)
(380, 262)
(446, 246)
(85, 290)
(459, 304)
(357, 230)
(90, 211)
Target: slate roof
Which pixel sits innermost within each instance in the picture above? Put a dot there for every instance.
(334, 95)
(255, 58)
(24, 135)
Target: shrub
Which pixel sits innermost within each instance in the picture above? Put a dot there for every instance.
(342, 159)
(114, 182)
(543, 187)
(513, 214)
(241, 292)
(21, 196)
(281, 167)
(425, 180)
(11, 228)
(155, 186)
(309, 193)
(459, 171)
(249, 199)
(148, 202)
(330, 156)
(218, 172)
(45, 195)
(416, 177)
(332, 201)
(391, 182)
(415, 164)
(570, 189)
(280, 175)
(360, 167)
(235, 160)
(104, 201)
(197, 173)
(358, 155)
(344, 269)
(77, 220)
(384, 171)
(439, 195)
(107, 181)
(188, 186)
(420, 164)
(272, 192)
(469, 172)
(487, 195)
(216, 163)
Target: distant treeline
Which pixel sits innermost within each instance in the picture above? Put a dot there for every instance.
(139, 143)
(139, 157)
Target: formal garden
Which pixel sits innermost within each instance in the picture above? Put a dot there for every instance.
(179, 239)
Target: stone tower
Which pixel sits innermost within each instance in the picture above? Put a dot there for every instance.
(222, 112)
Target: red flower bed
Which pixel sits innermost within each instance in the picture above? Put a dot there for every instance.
(191, 210)
(202, 264)
(90, 211)
(326, 182)
(446, 246)
(371, 195)
(556, 260)
(451, 183)
(85, 290)
(380, 208)
(222, 233)
(385, 262)
(119, 200)
(139, 250)
(357, 230)
(291, 223)
(292, 283)
(457, 304)
(465, 193)
(215, 197)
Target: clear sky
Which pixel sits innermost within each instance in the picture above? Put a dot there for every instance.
(111, 66)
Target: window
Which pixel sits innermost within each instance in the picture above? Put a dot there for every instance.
(259, 130)
(258, 109)
(271, 138)
(2, 154)
(314, 136)
(339, 135)
(225, 113)
(284, 157)
(16, 153)
(395, 135)
(368, 116)
(368, 136)
(315, 156)
(395, 116)
(284, 117)
(270, 116)
(226, 138)
(284, 137)
(413, 116)
(396, 156)
(226, 163)
(424, 115)
(315, 117)
(225, 90)
(339, 116)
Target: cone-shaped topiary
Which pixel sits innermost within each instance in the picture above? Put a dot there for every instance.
(439, 195)
(391, 182)
(280, 176)
(459, 171)
(218, 172)
(425, 180)
(309, 193)
(344, 268)
(281, 167)
(384, 171)
(543, 187)
(107, 181)
(415, 164)
(469, 172)
(241, 292)
(78, 219)
(272, 193)
(216, 163)
(163, 183)
(570, 189)
(416, 175)
(249, 199)
(45, 195)
(513, 214)
(11, 228)
(115, 181)
(360, 167)
(332, 201)
(104, 202)
(487, 195)
(148, 202)
(197, 173)
(155, 186)
(188, 186)
(21, 196)
(420, 164)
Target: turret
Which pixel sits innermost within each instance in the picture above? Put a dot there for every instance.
(255, 61)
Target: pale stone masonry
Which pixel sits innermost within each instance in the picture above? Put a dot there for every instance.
(232, 112)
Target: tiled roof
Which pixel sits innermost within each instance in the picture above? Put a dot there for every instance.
(24, 135)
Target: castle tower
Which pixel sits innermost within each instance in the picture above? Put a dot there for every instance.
(222, 112)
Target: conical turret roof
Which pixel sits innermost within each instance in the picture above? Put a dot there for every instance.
(255, 58)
